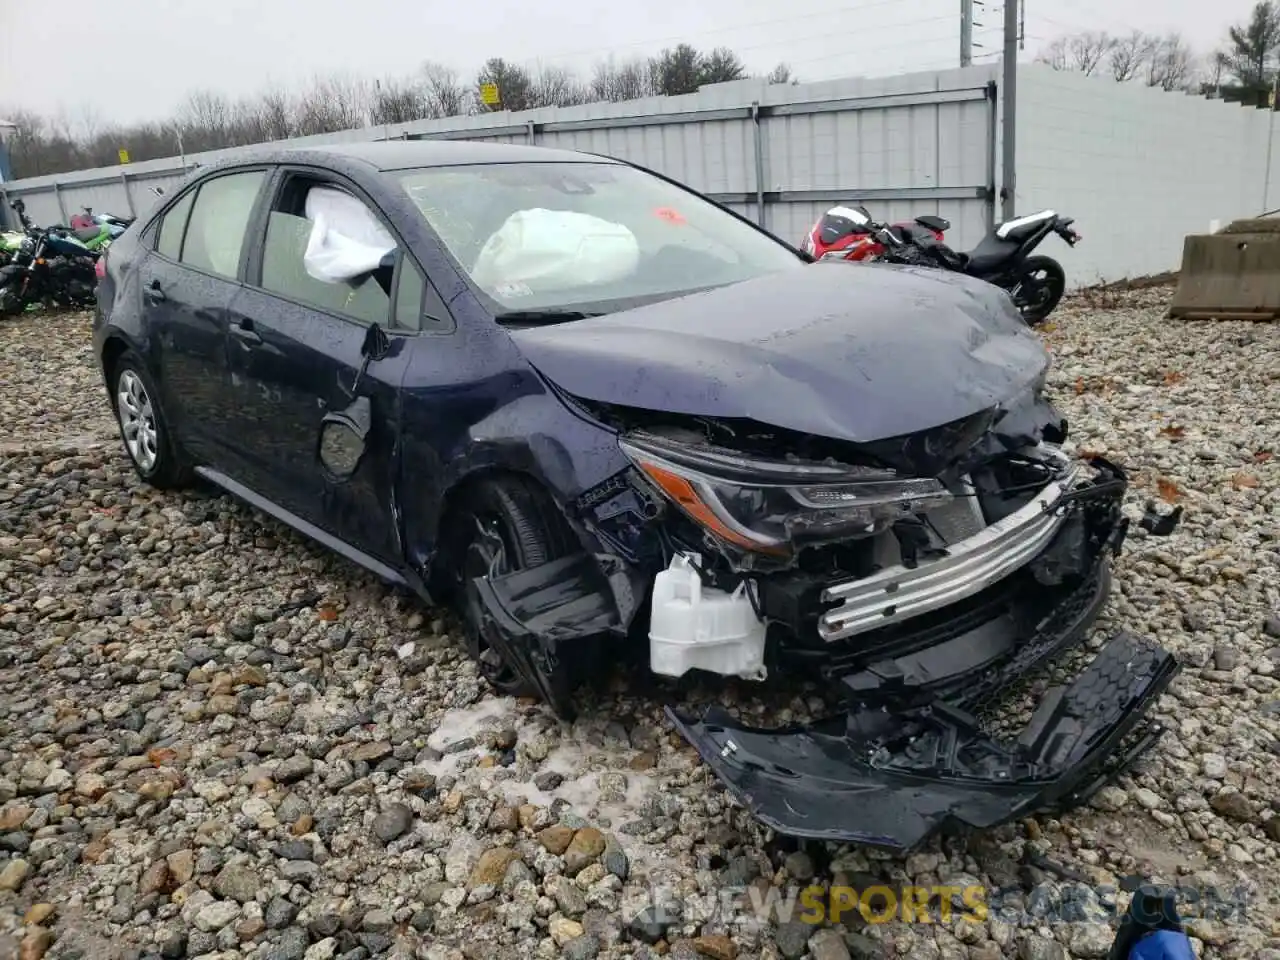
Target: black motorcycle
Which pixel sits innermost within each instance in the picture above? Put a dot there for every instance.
(51, 267)
(1003, 257)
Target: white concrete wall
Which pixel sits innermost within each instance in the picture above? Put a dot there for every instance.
(1138, 168)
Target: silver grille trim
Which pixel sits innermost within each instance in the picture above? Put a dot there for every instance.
(972, 565)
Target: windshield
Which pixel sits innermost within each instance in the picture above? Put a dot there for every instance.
(586, 237)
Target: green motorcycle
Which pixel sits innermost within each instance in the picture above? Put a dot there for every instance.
(10, 244)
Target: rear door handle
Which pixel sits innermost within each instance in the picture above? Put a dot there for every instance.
(154, 293)
(244, 332)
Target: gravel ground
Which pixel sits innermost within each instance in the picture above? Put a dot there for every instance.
(216, 740)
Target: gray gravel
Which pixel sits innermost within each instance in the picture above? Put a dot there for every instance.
(217, 740)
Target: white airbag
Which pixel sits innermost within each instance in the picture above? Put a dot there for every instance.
(346, 238)
(550, 250)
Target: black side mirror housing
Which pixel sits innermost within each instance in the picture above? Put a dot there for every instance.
(376, 344)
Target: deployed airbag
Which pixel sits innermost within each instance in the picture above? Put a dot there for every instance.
(551, 250)
(346, 241)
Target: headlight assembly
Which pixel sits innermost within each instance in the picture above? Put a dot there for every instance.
(770, 506)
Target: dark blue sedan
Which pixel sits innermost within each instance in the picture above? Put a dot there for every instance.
(601, 414)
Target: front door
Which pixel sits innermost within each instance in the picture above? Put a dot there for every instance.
(297, 354)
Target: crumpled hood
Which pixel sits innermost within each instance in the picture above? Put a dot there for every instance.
(849, 351)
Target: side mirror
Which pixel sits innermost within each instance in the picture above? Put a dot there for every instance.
(343, 440)
(375, 347)
(376, 344)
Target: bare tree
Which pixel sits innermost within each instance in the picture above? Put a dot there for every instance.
(620, 81)
(277, 114)
(1129, 54)
(394, 101)
(203, 119)
(1171, 65)
(446, 96)
(1079, 53)
(782, 74)
(556, 87)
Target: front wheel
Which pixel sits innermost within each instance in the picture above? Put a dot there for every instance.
(1040, 285)
(506, 524)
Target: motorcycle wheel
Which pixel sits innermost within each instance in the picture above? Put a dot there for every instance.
(10, 301)
(1041, 283)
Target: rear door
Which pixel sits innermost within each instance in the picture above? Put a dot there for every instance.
(187, 283)
(295, 355)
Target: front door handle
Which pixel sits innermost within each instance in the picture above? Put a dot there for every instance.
(244, 332)
(153, 292)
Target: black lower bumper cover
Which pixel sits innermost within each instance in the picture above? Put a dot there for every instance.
(892, 779)
(526, 615)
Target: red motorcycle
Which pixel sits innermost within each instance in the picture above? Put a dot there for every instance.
(841, 234)
(1003, 257)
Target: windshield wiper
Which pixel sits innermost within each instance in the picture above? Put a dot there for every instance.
(544, 316)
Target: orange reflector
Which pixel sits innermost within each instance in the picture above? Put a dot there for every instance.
(681, 491)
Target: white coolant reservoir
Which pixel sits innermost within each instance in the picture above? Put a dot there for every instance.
(696, 627)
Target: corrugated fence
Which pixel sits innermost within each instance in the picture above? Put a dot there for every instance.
(920, 143)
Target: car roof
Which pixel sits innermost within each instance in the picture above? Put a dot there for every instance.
(406, 154)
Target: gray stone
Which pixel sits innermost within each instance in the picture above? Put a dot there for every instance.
(290, 945)
(792, 937)
(279, 913)
(237, 881)
(392, 822)
(584, 947)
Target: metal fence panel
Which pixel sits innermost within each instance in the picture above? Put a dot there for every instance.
(919, 143)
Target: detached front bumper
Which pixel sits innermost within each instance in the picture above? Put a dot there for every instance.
(911, 756)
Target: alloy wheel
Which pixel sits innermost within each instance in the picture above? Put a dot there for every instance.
(137, 421)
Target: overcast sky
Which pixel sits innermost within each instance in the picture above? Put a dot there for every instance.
(128, 60)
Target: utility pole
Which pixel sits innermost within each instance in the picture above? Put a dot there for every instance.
(1009, 94)
(966, 33)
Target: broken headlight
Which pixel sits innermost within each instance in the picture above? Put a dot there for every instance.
(769, 506)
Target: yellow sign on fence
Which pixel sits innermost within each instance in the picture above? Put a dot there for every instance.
(124, 155)
(489, 95)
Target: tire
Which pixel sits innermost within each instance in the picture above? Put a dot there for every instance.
(505, 524)
(10, 303)
(1048, 281)
(151, 447)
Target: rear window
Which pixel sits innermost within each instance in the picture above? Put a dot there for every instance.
(171, 227)
(215, 233)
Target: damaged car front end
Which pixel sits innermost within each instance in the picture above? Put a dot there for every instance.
(921, 576)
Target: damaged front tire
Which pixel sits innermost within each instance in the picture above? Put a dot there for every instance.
(506, 525)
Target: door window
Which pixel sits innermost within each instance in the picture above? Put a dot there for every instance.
(326, 248)
(215, 234)
(172, 226)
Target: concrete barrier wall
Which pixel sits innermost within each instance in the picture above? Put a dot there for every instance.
(1138, 168)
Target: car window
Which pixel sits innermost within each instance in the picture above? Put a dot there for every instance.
(366, 298)
(215, 233)
(409, 290)
(171, 226)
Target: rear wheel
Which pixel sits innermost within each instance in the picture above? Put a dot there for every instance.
(506, 524)
(156, 456)
(10, 298)
(1041, 283)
